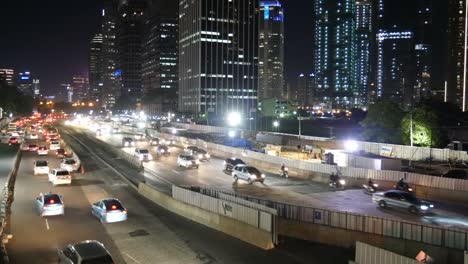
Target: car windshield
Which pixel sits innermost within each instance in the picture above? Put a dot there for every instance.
(237, 161)
(62, 173)
(98, 260)
(52, 199)
(252, 170)
(113, 205)
(54, 143)
(70, 161)
(410, 197)
(190, 157)
(41, 163)
(32, 146)
(144, 151)
(128, 139)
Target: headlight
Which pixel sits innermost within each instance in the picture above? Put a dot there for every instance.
(263, 175)
(424, 207)
(197, 161)
(133, 143)
(376, 185)
(200, 156)
(252, 176)
(224, 162)
(410, 189)
(342, 182)
(207, 155)
(162, 150)
(150, 157)
(126, 144)
(286, 169)
(431, 206)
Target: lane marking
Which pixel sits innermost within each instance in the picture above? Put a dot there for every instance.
(47, 224)
(132, 258)
(176, 171)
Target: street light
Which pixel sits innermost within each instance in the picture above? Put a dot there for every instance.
(234, 119)
(276, 125)
(232, 133)
(351, 145)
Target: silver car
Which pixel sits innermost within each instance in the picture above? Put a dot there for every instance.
(89, 251)
(401, 199)
(247, 173)
(50, 204)
(109, 211)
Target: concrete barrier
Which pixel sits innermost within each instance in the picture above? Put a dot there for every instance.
(239, 230)
(347, 238)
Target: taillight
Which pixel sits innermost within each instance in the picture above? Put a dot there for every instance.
(52, 201)
(114, 207)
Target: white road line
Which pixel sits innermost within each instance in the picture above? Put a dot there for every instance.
(132, 258)
(176, 171)
(47, 224)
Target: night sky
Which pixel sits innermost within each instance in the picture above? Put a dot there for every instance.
(50, 38)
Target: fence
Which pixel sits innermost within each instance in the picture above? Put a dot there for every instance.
(367, 254)
(252, 214)
(387, 227)
(5, 205)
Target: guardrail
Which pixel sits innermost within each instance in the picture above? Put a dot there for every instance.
(5, 206)
(429, 234)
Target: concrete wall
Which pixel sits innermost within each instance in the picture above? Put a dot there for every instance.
(242, 231)
(346, 238)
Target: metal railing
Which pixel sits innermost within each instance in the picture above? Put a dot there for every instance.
(5, 207)
(429, 234)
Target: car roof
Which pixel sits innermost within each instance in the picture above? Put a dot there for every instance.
(241, 165)
(396, 191)
(60, 169)
(90, 248)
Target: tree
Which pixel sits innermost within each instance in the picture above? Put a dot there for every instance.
(382, 123)
(428, 130)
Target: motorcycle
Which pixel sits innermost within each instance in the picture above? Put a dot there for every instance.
(403, 187)
(338, 184)
(370, 188)
(284, 172)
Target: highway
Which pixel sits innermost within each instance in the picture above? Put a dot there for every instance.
(292, 191)
(150, 235)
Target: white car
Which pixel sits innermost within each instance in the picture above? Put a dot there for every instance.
(187, 161)
(59, 177)
(54, 145)
(69, 165)
(143, 154)
(33, 136)
(41, 167)
(42, 150)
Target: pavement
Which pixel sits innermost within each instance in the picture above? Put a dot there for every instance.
(279, 189)
(150, 235)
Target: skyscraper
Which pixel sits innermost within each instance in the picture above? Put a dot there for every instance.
(271, 50)
(456, 70)
(395, 67)
(8, 75)
(423, 50)
(109, 91)
(305, 90)
(335, 52)
(79, 87)
(129, 50)
(96, 68)
(25, 83)
(218, 57)
(364, 30)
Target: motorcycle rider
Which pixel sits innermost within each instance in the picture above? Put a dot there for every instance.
(283, 170)
(370, 183)
(401, 184)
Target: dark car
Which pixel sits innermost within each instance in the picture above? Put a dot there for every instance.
(156, 141)
(455, 174)
(230, 163)
(128, 142)
(89, 251)
(61, 153)
(401, 199)
(163, 150)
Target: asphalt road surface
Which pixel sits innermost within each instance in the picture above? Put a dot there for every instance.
(151, 234)
(292, 191)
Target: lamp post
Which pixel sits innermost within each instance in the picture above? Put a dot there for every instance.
(276, 125)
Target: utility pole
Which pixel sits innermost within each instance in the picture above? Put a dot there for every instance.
(299, 118)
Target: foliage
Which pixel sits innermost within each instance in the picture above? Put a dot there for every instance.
(382, 123)
(13, 101)
(357, 115)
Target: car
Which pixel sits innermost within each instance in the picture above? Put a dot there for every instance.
(13, 141)
(15, 134)
(188, 161)
(139, 136)
(42, 150)
(59, 177)
(41, 167)
(54, 145)
(109, 210)
(51, 138)
(50, 204)
(89, 251)
(32, 147)
(247, 173)
(61, 153)
(401, 199)
(230, 163)
(33, 136)
(157, 141)
(69, 164)
(162, 150)
(128, 142)
(143, 154)
(201, 154)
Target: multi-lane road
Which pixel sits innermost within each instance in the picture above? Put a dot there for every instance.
(284, 190)
(150, 235)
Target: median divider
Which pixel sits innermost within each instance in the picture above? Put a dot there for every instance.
(5, 207)
(251, 225)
